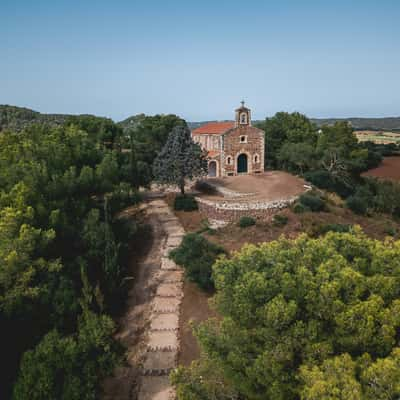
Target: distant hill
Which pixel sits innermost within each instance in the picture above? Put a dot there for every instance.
(17, 118)
(372, 124)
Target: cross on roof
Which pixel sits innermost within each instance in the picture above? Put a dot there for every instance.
(242, 102)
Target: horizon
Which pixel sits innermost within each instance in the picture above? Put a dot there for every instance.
(204, 120)
(198, 61)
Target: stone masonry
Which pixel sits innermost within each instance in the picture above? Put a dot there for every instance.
(163, 336)
(233, 147)
(150, 327)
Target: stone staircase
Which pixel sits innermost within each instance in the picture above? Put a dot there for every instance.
(163, 337)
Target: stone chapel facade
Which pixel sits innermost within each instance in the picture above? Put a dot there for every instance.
(233, 147)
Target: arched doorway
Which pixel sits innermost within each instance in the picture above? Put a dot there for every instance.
(242, 164)
(212, 169)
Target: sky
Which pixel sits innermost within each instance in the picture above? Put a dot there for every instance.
(199, 59)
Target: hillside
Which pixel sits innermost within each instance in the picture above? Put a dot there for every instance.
(373, 124)
(16, 118)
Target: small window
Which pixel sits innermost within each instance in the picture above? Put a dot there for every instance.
(229, 160)
(256, 158)
(243, 139)
(243, 118)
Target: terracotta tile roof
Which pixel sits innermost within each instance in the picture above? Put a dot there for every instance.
(214, 128)
(213, 153)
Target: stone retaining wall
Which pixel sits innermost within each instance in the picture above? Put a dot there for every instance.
(232, 211)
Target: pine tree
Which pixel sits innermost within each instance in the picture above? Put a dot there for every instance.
(179, 159)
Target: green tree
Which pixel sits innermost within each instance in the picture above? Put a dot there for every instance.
(298, 157)
(381, 379)
(145, 136)
(302, 316)
(70, 367)
(179, 159)
(53, 182)
(334, 380)
(284, 127)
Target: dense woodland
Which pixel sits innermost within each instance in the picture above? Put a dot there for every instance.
(300, 319)
(63, 250)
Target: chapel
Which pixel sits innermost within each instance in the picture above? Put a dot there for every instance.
(233, 147)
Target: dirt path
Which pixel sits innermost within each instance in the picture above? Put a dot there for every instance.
(149, 330)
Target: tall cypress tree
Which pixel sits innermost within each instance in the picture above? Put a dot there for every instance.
(179, 159)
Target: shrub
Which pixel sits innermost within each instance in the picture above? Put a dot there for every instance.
(357, 204)
(321, 178)
(341, 228)
(300, 208)
(185, 203)
(245, 222)
(390, 230)
(280, 220)
(324, 180)
(197, 255)
(205, 187)
(312, 201)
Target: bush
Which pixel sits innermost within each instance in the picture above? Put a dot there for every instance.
(280, 220)
(245, 222)
(390, 230)
(324, 180)
(197, 255)
(357, 204)
(321, 178)
(312, 201)
(205, 187)
(185, 203)
(300, 208)
(340, 228)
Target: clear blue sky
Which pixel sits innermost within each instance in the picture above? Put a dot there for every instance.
(199, 58)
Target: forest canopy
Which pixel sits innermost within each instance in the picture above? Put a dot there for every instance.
(62, 257)
(305, 318)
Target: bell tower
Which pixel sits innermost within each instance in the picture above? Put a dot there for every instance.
(243, 116)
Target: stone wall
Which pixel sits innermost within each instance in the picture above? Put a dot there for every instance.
(231, 211)
(253, 146)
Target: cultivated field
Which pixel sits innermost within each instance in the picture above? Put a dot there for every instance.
(379, 137)
(389, 169)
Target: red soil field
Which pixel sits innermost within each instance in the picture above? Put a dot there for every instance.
(389, 169)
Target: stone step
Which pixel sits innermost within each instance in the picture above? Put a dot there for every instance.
(168, 264)
(162, 305)
(160, 362)
(167, 276)
(165, 322)
(169, 289)
(156, 388)
(163, 340)
(173, 229)
(173, 241)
